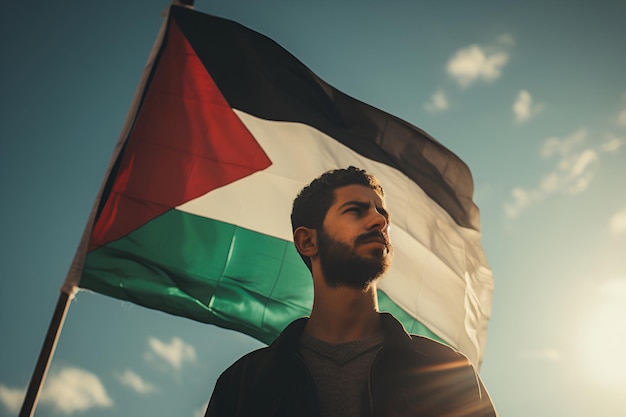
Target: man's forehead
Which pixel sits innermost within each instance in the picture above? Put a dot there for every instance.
(357, 192)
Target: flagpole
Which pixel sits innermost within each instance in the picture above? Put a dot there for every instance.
(45, 356)
(185, 3)
(69, 288)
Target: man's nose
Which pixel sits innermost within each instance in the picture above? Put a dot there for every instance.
(377, 221)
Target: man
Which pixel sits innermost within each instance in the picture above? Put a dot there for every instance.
(347, 359)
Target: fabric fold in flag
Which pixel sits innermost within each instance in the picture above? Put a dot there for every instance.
(193, 218)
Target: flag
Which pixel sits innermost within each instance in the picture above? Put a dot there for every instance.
(193, 218)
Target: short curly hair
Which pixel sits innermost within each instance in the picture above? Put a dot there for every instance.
(312, 203)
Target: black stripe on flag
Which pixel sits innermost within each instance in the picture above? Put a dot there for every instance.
(259, 77)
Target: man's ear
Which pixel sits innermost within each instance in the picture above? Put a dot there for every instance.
(305, 240)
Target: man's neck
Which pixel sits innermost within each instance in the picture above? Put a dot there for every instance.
(344, 314)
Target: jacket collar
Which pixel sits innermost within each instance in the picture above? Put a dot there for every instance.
(289, 340)
(396, 336)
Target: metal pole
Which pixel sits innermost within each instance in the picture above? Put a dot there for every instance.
(45, 356)
(70, 286)
(186, 3)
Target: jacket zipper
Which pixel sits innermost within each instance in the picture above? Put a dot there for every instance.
(309, 381)
(370, 393)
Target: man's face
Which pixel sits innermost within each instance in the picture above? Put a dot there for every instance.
(354, 245)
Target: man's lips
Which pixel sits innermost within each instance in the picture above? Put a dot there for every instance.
(374, 240)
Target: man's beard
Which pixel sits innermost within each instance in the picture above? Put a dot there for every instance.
(341, 266)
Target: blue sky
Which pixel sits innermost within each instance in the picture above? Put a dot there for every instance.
(532, 95)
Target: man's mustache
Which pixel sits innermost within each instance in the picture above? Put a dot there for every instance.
(373, 235)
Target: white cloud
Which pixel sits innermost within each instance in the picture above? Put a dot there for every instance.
(572, 173)
(621, 118)
(484, 63)
(438, 102)
(175, 353)
(199, 412)
(521, 199)
(550, 183)
(72, 389)
(505, 40)
(612, 145)
(135, 382)
(581, 161)
(524, 108)
(617, 223)
(579, 184)
(549, 354)
(12, 398)
(563, 146)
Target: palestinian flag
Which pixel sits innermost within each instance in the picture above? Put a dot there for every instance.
(226, 128)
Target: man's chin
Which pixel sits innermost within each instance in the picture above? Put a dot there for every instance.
(379, 256)
(359, 279)
(354, 267)
(352, 284)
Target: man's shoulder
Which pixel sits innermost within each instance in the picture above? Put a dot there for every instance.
(419, 346)
(435, 349)
(427, 344)
(252, 380)
(258, 358)
(271, 357)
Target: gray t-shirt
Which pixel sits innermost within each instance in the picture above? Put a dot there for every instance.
(340, 372)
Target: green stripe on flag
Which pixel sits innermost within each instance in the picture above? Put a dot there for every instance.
(214, 272)
(206, 270)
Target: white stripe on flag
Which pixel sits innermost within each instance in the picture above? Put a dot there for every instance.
(439, 274)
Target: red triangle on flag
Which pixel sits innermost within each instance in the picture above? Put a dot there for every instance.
(186, 142)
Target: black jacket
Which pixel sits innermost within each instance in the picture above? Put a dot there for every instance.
(411, 376)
